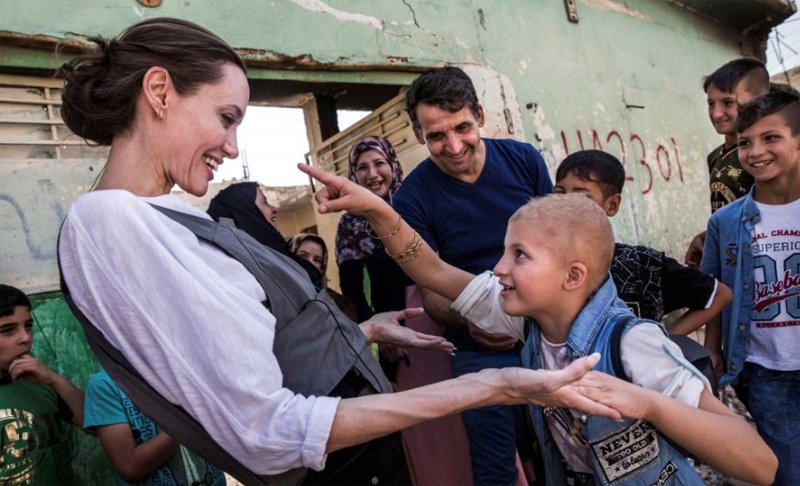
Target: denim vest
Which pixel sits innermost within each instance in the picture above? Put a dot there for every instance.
(620, 453)
(728, 255)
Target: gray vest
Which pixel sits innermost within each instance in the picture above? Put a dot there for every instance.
(315, 343)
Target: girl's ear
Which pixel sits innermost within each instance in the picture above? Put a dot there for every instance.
(577, 276)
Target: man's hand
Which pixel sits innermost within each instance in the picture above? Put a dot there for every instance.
(694, 254)
(32, 369)
(493, 342)
(385, 328)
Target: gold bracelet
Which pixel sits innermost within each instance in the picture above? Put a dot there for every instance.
(386, 237)
(409, 253)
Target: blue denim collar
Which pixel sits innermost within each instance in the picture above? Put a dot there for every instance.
(592, 318)
(750, 210)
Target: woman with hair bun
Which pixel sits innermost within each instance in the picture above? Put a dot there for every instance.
(167, 96)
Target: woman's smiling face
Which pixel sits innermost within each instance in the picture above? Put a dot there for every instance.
(201, 128)
(374, 172)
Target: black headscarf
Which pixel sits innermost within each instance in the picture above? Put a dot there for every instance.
(238, 202)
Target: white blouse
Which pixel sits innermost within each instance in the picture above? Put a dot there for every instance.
(190, 320)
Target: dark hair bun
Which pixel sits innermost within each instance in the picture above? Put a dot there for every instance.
(102, 86)
(91, 107)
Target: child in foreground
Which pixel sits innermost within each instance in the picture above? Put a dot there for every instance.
(36, 403)
(753, 245)
(554, 294)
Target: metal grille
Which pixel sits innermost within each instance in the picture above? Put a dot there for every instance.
(31, 125)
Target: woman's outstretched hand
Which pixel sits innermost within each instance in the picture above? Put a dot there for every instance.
(341, 194)
(385, 328)
(568, 387)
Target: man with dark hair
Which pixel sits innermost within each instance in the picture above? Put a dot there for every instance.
(459, 200)
(733, 84)
(448, 88)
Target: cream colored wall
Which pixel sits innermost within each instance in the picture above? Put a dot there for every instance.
(293, 222)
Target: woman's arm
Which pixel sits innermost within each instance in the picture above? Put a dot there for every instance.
(385, 328)
(425, 268)
(365, 418)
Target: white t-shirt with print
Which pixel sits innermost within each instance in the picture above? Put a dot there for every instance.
(774, 338)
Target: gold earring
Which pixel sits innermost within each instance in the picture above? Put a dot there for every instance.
(160, 114)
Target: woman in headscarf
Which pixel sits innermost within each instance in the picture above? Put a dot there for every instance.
(374, 165)
(246, 205)
(311, 248)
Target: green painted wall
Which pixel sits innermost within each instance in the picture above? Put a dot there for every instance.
(60, 344)
(580, 77)
(576, 78)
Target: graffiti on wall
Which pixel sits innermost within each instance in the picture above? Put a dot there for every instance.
(651, 160)
(42, 250)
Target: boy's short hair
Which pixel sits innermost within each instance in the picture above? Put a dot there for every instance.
(448, 88)
(574, 228)
(785, 103)
(748, 70)
(11, 298)
(783, 87)
(594, 166)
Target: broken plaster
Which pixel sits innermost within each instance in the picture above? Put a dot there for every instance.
(618, 7)
(321, 7)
